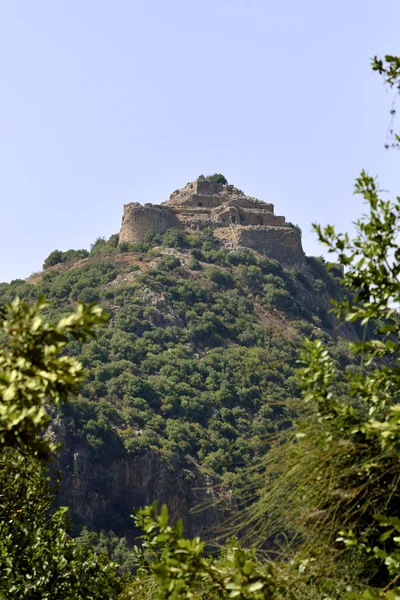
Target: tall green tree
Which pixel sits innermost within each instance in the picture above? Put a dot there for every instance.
(170, 566)
(331, 485)
(37, 557)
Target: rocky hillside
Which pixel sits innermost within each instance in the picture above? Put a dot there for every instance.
(195, 368)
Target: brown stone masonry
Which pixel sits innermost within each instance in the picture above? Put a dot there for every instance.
(203, 204)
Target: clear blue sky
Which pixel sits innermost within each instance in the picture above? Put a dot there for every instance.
(108, 102)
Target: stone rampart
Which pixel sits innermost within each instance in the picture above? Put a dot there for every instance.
(237, 220)
(138, 220)
(281, 243)
(253, 203)
(199, 200)
(207, 188)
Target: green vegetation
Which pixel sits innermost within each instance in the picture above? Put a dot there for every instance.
(32, 372)
(172, 566)
(196, 361)
(56, 257)
(37, 558)
(202, 363)
(328, 490)
(326, 495)
(216, 177)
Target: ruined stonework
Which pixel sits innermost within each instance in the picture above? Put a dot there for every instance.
(237, 220)
(138, 219)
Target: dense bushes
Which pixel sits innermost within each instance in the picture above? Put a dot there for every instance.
(38, 559)
(188, 363)
(57, 257)
(216, 177)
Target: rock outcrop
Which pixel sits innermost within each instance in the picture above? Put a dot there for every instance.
(237, 220)
(102, 494)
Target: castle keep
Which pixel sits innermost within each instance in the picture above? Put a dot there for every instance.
(237, 220)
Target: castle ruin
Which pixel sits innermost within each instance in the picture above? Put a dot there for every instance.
(237, 220)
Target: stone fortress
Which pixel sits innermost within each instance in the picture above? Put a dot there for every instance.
(237, 220)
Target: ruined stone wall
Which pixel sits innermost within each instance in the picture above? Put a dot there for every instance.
(281, 243)
(232, 215)
(264, 218)
(204, 200)
(203, 204)
(208, 188)
(226, 216)
(276, 220)
(253, 203)
(196, 220)
(138, 220)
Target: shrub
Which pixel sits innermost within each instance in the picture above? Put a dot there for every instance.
(216, 177)
(57, 257)
(124, 247)
(219, 277)
(197, 254)
(280, 298)
(270, 265)
(152, 238)
(54, 258)
(194, 265)
(175, 238)
(99, 247)
(113, 240)
(72, 255)
(168, 263)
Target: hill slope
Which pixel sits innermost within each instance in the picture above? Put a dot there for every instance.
(196, 365)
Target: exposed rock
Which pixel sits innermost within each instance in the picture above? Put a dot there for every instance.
(95, 489)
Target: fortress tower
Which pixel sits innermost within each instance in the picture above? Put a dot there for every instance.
(138, 219)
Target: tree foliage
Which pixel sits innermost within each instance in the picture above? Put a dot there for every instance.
(216, 177)
(171, 566)
(37, 557)
(331, 485)
(57, 256)
(389, 68)
(32, 370)
(186, 366)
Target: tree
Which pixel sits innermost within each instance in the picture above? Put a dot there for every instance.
(171, 566)
(331, 484)
(54, 258)
(390, 69)
(33, 370)
(37, 557)
(216, 177)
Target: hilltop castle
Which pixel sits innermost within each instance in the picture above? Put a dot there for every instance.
(237, 220)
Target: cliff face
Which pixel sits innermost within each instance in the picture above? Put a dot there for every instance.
(237, 220)
(103, 494)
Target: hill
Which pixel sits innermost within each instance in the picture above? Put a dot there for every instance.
(196, 367)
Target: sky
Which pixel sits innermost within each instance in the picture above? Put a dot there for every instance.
(106, 102)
